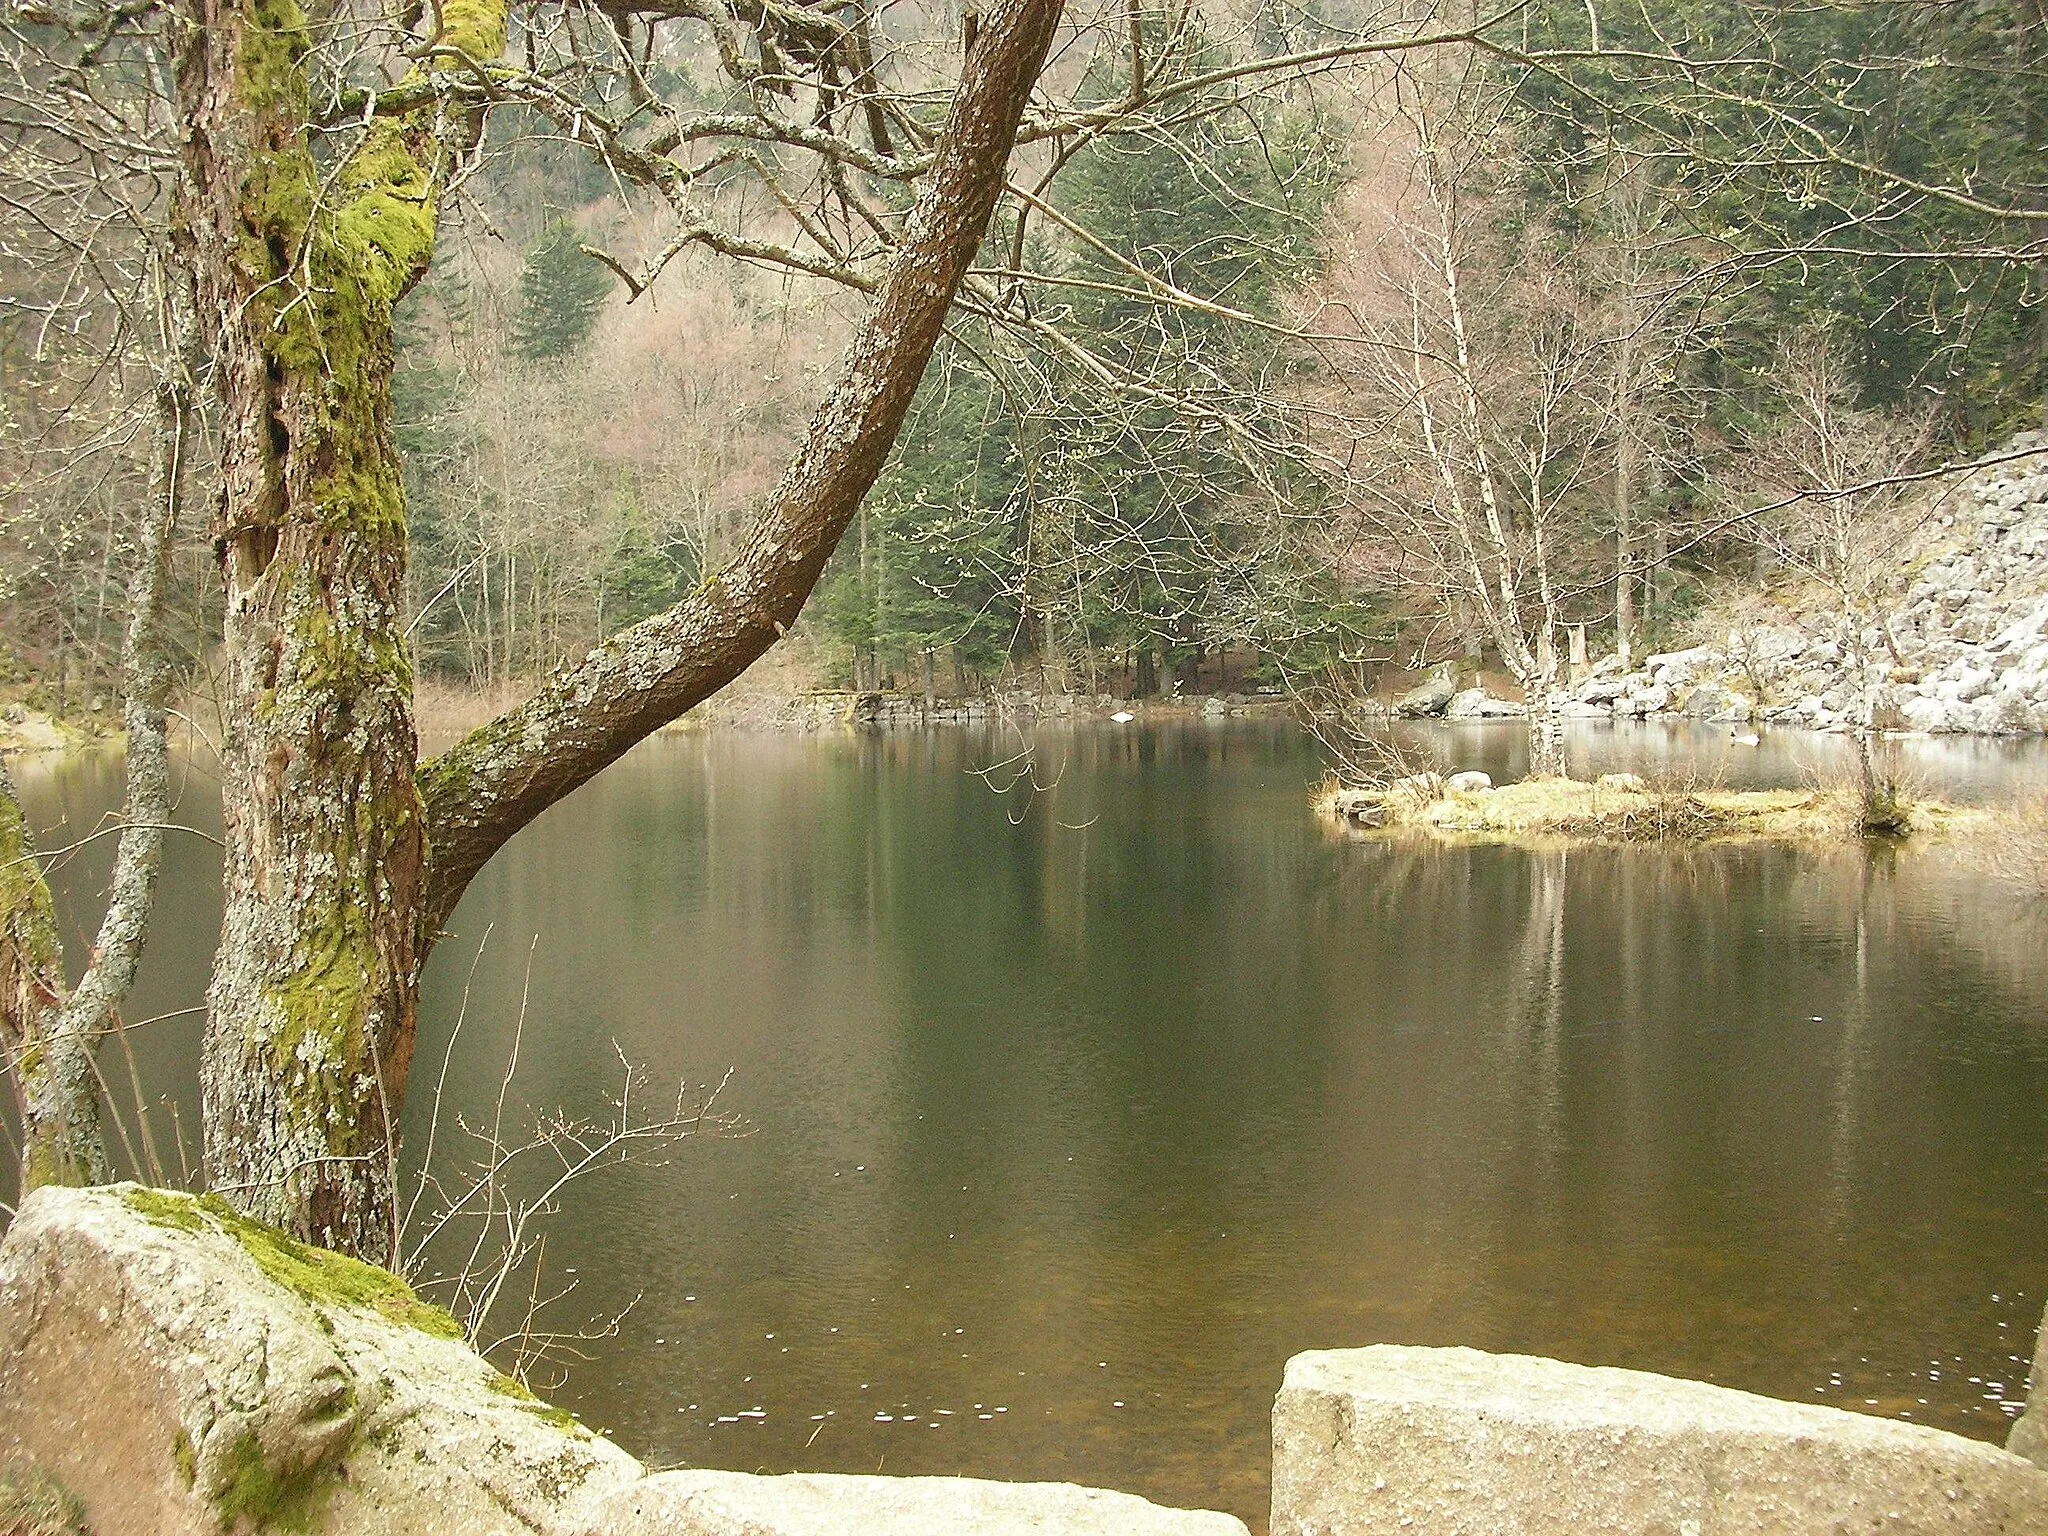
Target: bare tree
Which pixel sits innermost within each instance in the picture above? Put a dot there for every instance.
(1838, 512)
(1459, 404)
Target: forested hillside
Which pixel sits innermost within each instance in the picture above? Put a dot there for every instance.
(1246, 386)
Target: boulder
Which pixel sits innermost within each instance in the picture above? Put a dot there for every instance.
(1648, 700)
(184, 1372)
(1453, 1442)
(178, 1369)
(802, 1504)
(1430, 699)
(1478, 704)
(1470, 782)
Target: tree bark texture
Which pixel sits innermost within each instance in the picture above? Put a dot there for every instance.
(297, 265)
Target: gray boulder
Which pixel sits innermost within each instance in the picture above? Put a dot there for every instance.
(1478, 704)
(800, 1504)
(180, 1370)
(1429, 700)
(1453, 1442)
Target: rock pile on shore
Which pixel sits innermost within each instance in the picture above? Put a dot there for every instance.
(1960, 646)
(1967, 648)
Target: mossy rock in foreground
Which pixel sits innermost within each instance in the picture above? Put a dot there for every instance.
(317, 1275)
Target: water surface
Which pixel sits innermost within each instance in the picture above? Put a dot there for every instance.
(1070, 1113)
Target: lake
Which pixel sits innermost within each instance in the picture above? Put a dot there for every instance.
(1073, 1104)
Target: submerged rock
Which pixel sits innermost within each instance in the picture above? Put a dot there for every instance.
(184, 1372)
(1453, 1442)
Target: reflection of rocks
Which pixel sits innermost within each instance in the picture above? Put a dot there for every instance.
(1971, 633)
(1457, 1443)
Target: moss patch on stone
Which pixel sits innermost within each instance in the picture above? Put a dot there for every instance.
(161, 1208)
(546, 1412)
(330, 1279)
(268, 1498)
(316, 1275)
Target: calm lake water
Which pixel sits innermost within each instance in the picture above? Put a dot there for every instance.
(1071, 1113)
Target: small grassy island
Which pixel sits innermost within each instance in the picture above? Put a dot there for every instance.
(1623, 808)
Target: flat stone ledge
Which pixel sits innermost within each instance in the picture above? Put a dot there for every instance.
(808, 1504)
(1456, 1442)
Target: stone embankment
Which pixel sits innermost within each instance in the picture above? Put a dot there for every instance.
(1954, 641)
(166, 1367)
(869, 710)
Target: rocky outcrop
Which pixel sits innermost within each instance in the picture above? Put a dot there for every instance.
(1453, 1442)
(183, 1371)
(1478, 704)
(1970, 635)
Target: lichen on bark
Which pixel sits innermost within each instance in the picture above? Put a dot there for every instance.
(312, 1005)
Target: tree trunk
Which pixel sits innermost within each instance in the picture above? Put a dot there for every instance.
(311, 1010)
(1624, 578)
(50, 1076)
(1546, 732)
(330, 901)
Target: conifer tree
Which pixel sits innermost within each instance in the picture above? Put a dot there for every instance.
(561, 291)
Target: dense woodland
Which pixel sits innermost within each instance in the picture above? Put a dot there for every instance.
(1270, 311)
(577, 354)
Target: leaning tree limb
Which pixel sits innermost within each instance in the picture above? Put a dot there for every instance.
(501, 776)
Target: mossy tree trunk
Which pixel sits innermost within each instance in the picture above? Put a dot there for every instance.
(297, 265)
(342, 858)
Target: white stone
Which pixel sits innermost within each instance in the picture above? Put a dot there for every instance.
(1453, 1442)
(1470, 782)
(800, 1504)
